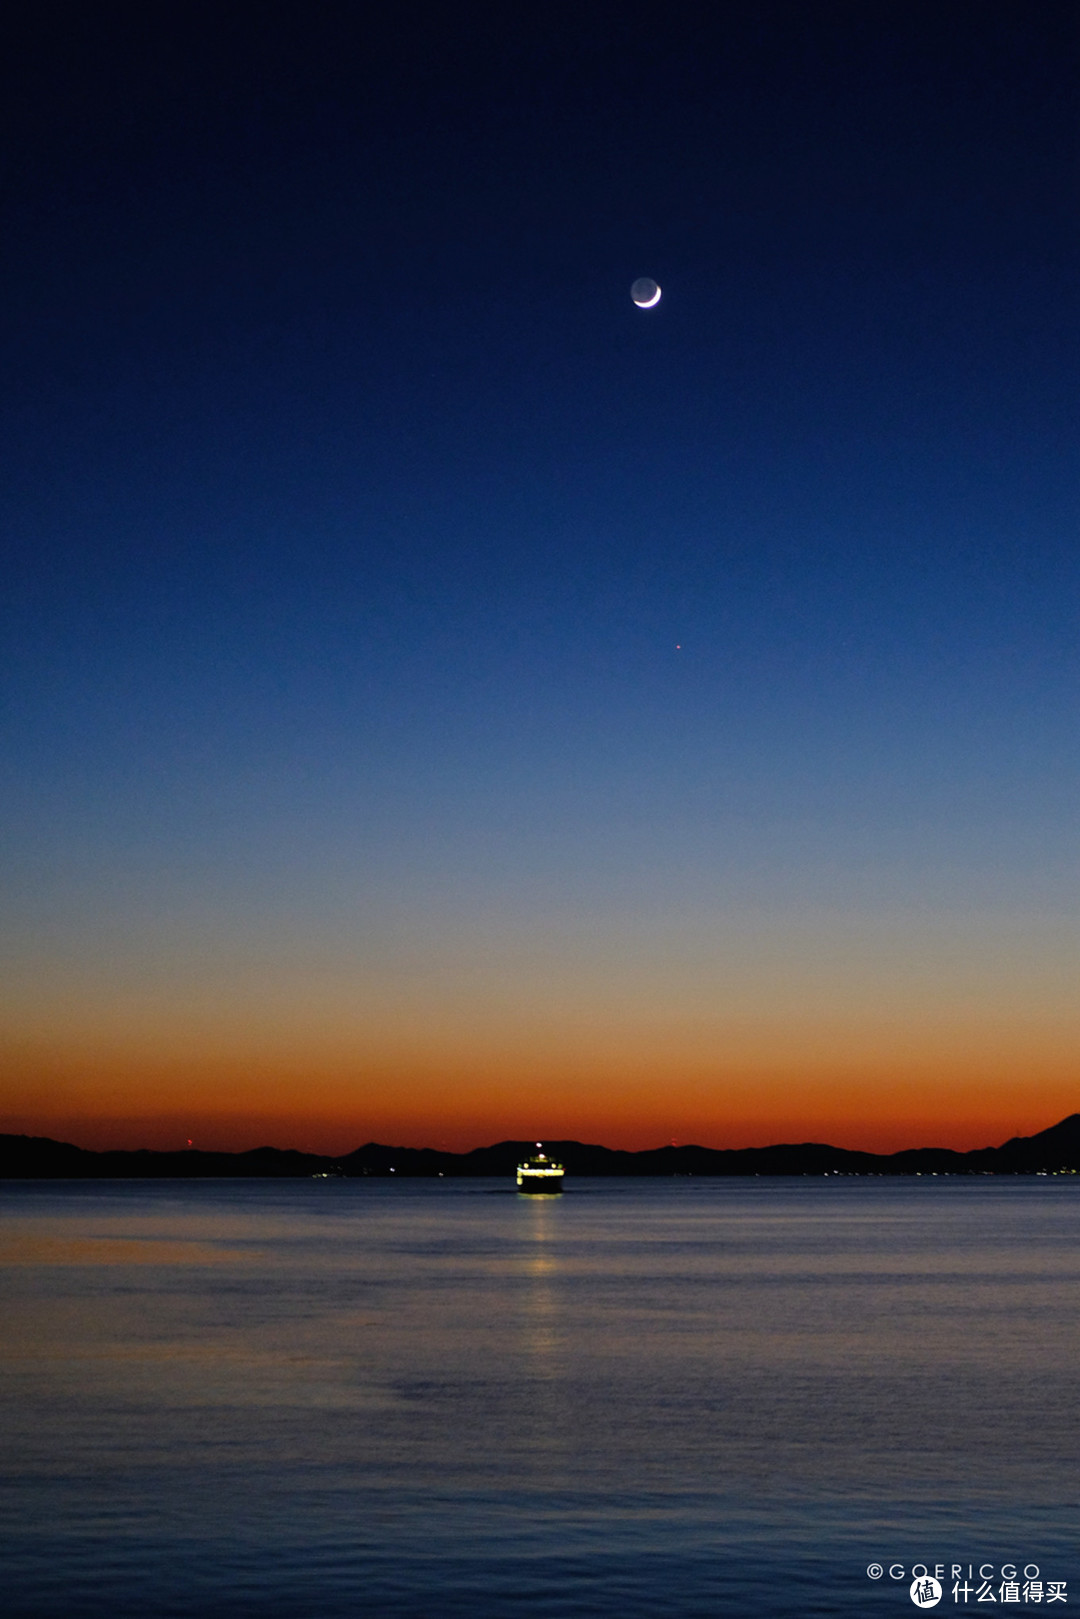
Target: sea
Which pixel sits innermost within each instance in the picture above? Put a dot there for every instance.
(425, 1399)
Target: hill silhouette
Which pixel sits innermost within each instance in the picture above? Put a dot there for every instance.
(1055, 1150)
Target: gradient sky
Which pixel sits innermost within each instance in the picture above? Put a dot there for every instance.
(444, 702)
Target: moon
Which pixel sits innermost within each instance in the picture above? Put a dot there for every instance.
(645, 292)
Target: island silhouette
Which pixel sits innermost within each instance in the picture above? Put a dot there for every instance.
(1054, 1151)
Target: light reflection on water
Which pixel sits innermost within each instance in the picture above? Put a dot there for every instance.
(429, 1398)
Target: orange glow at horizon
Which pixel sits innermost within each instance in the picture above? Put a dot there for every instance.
(959, 1100)
(877, 1035)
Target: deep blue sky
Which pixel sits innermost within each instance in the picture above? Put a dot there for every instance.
(353, 517)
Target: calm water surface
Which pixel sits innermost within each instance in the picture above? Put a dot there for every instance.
(434, 1398)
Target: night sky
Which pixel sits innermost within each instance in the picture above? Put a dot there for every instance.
(444, 702)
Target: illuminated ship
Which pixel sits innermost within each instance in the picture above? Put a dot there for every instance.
(539, 1174)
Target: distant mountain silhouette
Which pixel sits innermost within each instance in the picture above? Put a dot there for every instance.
(1064, 1137)
(1052, 1151)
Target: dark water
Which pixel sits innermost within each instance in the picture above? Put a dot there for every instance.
(673, 1398)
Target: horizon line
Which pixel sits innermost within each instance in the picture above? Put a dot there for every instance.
(516, 1143)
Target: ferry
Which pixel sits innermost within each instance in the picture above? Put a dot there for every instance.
(539, 1173)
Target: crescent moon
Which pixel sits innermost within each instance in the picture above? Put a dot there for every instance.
(642, 295)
